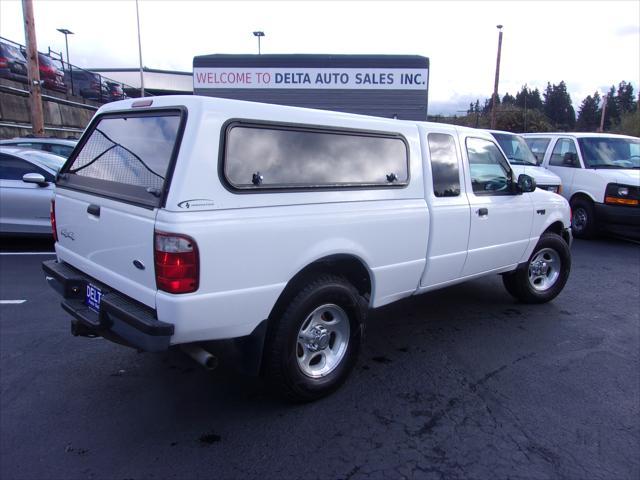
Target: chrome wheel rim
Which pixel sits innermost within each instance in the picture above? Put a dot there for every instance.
(544, 269)
(580, 219)
(322, 340)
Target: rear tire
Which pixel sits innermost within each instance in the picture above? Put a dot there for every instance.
(544, 275)
(312, 347)
(583, 221)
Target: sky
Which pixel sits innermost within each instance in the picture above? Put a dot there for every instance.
(591, 45)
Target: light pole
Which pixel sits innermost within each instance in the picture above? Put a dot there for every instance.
(66, 32)
(495, 85)
(258, 34)
(140, 52)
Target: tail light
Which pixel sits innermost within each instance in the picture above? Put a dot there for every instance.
(53, 220)
(4, 63)
(177, 263)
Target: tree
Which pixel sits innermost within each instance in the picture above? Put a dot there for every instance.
(612, 113)
(625, 98)
(508, 99)
(529, 99)
(557, 106)
(589, 114)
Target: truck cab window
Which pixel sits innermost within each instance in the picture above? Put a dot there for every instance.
(564, 154)
(444, 165)
(490, 171)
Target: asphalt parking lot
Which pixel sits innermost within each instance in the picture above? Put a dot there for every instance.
(460, 383)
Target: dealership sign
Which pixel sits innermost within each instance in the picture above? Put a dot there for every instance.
(311, 78)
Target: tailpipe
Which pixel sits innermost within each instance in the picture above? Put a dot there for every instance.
(200, 355)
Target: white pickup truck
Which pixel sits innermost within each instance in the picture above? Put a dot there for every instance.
(185, 220)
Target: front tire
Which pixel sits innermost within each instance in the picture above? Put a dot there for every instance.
(312, 347)
(583, 221)
(544, 275)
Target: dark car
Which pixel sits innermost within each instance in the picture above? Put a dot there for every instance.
(90, 85)
(13, 65)
(115, 91)
(51, 74)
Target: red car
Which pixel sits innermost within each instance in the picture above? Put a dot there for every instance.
(51, 75)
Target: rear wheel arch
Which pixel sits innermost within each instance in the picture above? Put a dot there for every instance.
(348, 266)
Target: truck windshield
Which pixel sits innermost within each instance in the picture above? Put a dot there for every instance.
(516, 149)
(125, 156)
(610, 152)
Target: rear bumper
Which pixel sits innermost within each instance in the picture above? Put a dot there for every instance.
(619, 219)
(120, 319)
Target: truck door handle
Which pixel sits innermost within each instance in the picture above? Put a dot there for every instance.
(483, 212)
(93, 210)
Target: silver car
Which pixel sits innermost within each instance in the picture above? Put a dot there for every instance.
(26, 190)
(58, 146)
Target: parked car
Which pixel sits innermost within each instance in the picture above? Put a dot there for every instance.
(89, 85)
(600, 177)
(57, 146)
(13, 65)
(26, 190)
(51, 74)
(181, 220)
(523, 161)
(115, 91)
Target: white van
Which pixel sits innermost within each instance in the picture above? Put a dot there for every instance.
(522, 160)
(600, 177)
(185, 220)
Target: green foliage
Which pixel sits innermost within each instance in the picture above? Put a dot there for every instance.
(529, 112)
(558, 108)
(589, 114)
(629, 124)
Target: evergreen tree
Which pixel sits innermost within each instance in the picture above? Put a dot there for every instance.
(557, 106)
(612, 113)
(589, 114)
(529, 99)
(508, 99)
(625, 98)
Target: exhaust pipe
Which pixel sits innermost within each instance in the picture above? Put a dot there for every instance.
(200, 355)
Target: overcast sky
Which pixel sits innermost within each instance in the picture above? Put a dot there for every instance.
(588, 44)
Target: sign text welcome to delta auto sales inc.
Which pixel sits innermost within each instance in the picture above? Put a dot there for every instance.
(310, 78)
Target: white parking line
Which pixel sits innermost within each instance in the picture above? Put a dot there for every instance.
(11, 302)
(27, 253)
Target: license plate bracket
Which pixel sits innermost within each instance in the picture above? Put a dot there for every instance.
(93, 297)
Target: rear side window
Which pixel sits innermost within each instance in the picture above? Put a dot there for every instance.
(444, 165)
(285, 157)
(126, 157)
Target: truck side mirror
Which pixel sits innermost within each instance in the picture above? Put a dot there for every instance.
(526, 183)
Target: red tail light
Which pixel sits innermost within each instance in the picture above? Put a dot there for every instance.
(53, 220)
(4, 63)
(177, 263)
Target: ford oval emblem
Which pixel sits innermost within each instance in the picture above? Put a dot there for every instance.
(138, 264)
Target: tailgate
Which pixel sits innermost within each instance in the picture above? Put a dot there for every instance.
(106, 239)
(108, 194)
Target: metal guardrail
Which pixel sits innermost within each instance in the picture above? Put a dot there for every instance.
(94, 86)
(30, 127)
(25, 93)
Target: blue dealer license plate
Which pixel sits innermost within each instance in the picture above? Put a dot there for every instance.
(94, 295)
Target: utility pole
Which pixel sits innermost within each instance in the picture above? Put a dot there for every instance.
(495, 85)
(604, 110)
(140, 52)
(33, 69)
